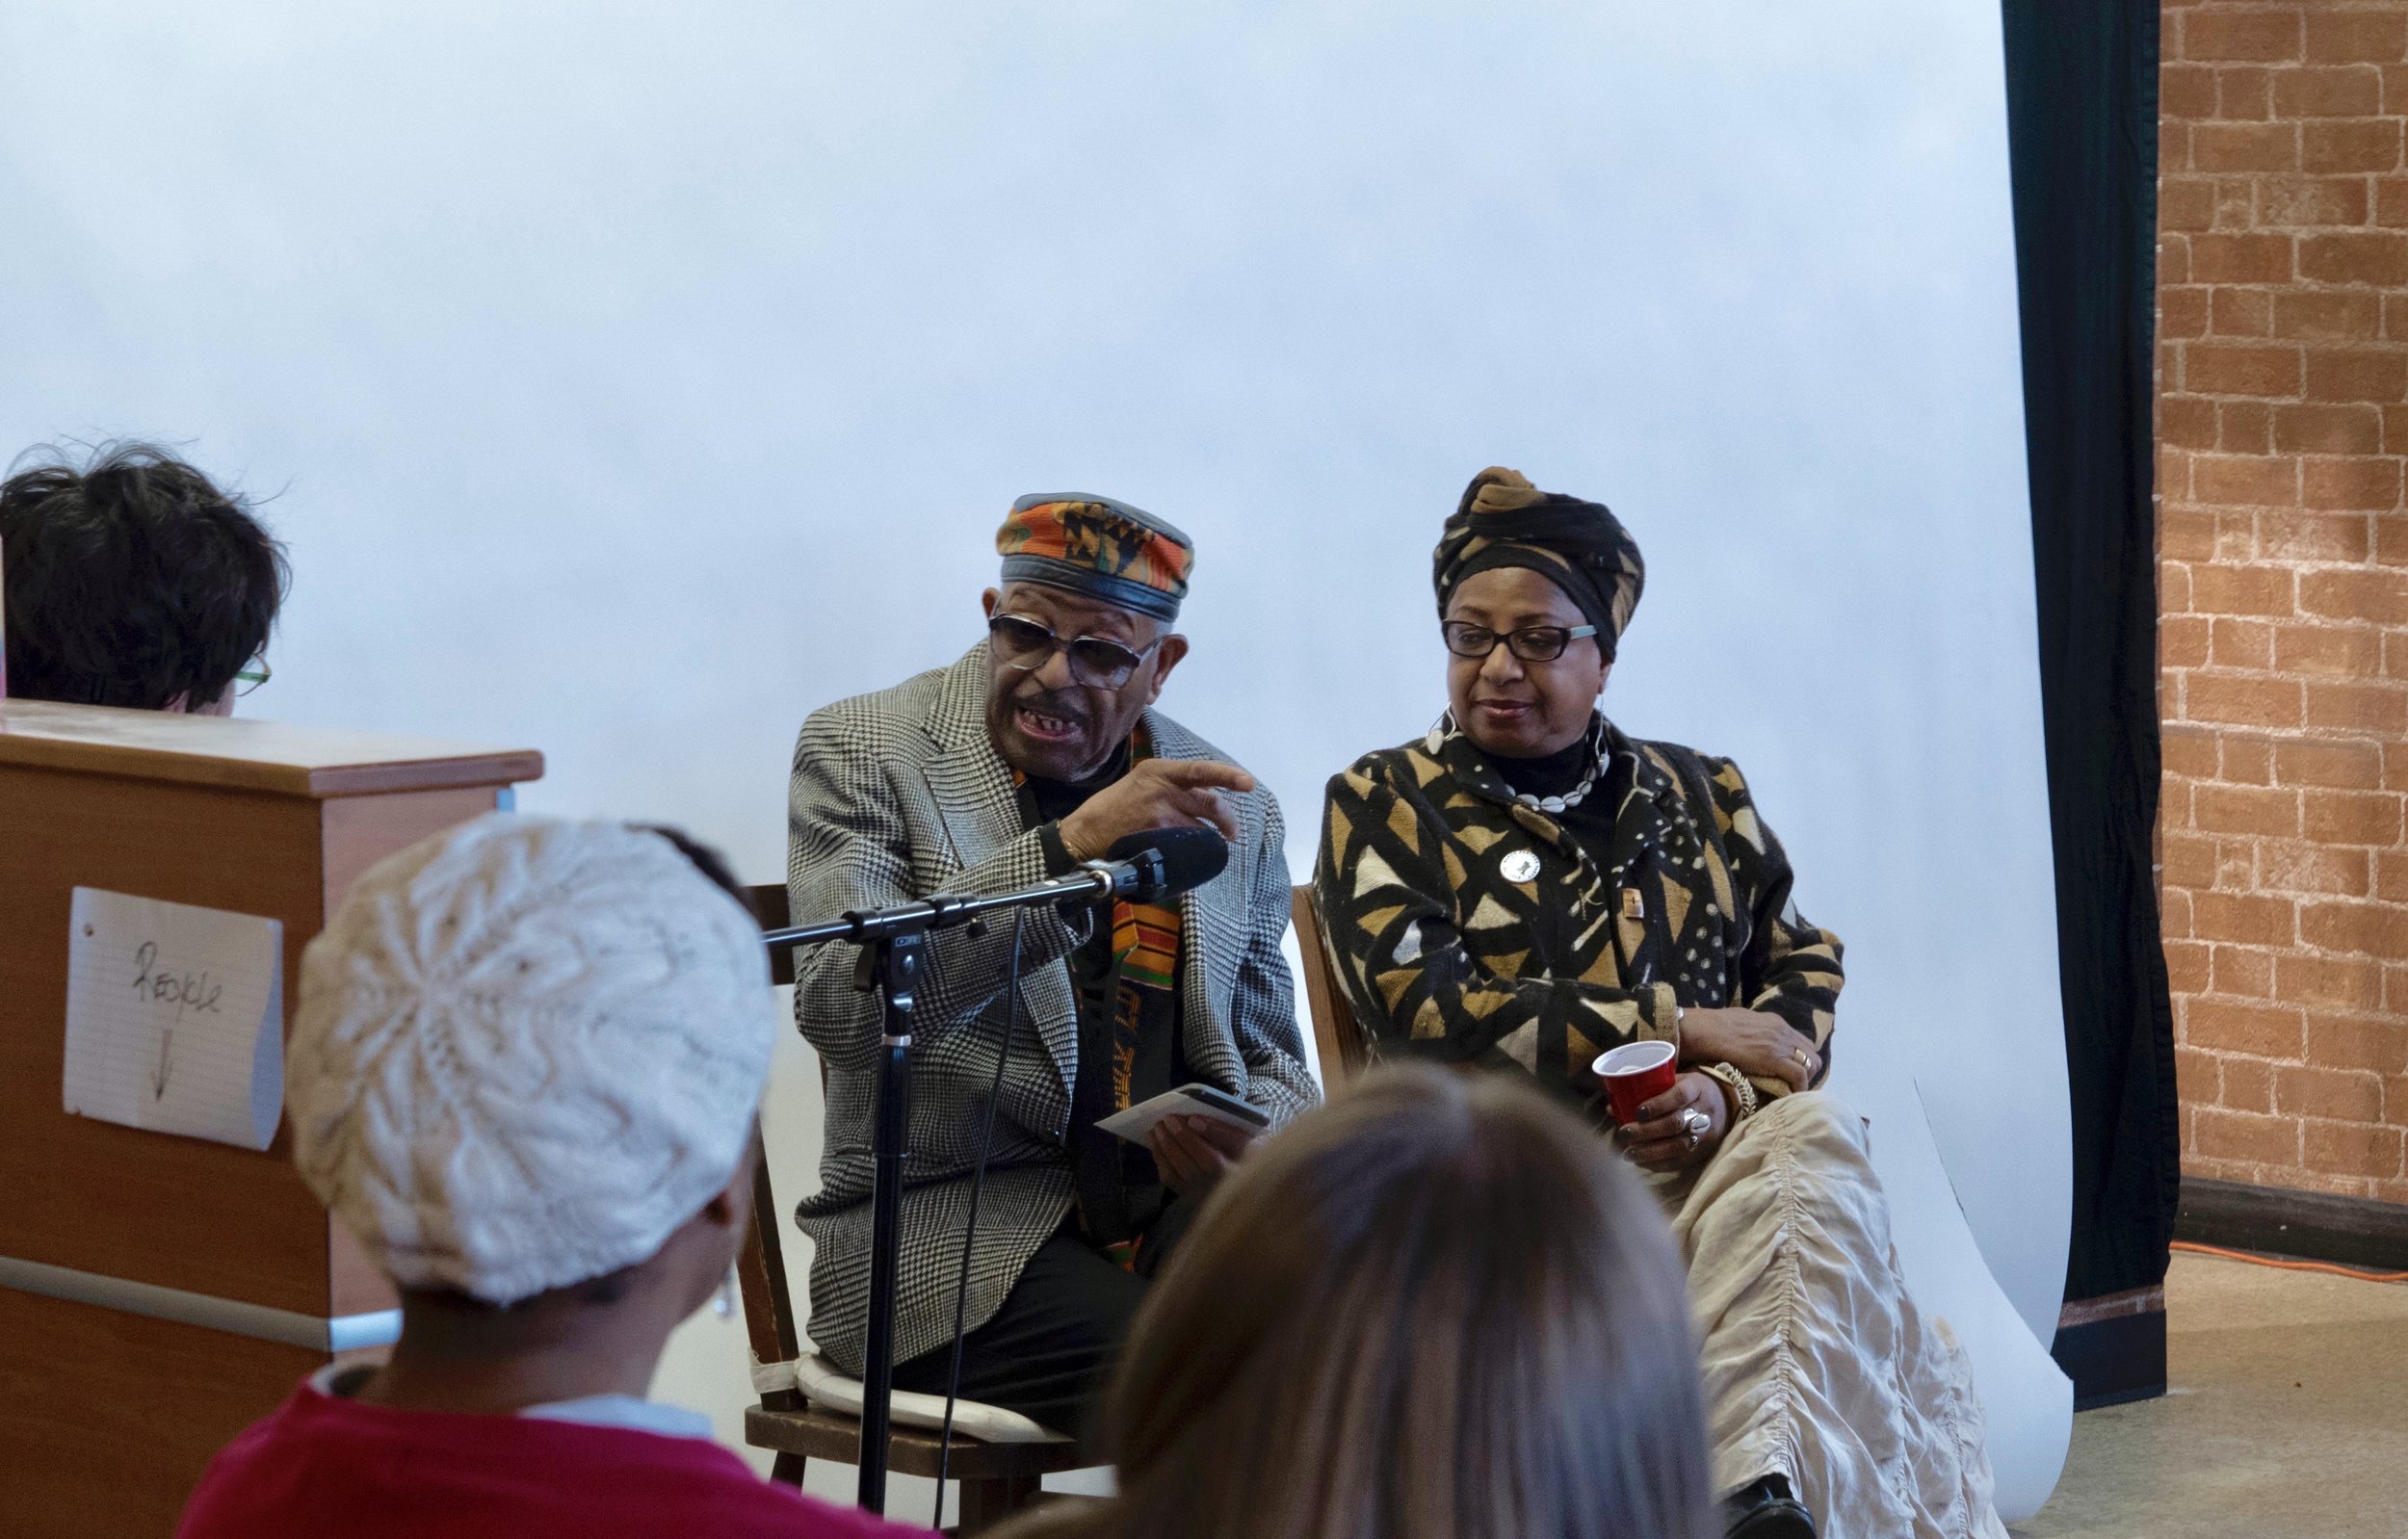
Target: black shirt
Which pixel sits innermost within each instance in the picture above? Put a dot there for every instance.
(1108, 1216)
(1557, 774)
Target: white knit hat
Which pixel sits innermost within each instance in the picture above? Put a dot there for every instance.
(526, 1052)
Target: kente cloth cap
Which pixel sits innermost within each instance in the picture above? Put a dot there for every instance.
(527, 1052)
(1502, 520)
(1095, 545)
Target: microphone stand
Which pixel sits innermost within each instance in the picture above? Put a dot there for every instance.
(892, 956)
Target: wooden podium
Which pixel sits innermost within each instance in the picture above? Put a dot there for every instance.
(157, 1293)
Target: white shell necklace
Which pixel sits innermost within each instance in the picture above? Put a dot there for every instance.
(1563, 803)
(1570, 798)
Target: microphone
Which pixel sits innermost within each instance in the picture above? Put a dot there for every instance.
(1159, 863)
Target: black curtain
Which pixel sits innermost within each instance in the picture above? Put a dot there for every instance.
(2081, 94)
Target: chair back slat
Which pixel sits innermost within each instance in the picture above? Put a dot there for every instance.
(761, 1265)
(1335, 1031)
(761, 1273)
(768, 906)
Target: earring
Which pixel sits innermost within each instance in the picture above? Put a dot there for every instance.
(723, 1301)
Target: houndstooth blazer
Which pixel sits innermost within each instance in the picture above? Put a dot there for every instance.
(899, 794)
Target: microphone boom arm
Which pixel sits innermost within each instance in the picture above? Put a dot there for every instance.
(946, 911)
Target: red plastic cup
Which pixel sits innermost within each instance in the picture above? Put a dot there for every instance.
(1634, 1074)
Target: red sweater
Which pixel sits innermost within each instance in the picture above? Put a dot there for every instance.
(324, 1466)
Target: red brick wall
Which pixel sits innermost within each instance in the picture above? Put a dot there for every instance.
(2282, 424)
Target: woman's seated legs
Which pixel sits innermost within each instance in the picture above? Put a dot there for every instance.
(1818, 1365)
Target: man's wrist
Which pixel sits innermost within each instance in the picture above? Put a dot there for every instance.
(1059, 860)
(1073, 843)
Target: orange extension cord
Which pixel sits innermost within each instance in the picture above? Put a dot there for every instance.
(2222, 1254)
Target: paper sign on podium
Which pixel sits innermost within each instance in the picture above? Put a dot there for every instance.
(174, 1017)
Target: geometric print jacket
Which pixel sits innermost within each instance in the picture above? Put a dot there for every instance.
(1470, 929)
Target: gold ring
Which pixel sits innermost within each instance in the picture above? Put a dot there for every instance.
(1802, 1056)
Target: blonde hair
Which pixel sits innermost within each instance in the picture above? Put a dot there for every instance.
(1441, 1308)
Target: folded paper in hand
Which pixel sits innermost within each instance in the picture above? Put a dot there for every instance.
(174, 1018)
(1137, 1121)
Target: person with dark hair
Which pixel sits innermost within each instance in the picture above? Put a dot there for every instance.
(525, 1072)
(1525, 887)
(132, 581)
(1440, 1307)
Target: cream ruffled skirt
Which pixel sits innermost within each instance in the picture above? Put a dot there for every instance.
(1818, 1365)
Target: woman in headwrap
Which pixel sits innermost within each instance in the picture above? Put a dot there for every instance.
(1524, 888)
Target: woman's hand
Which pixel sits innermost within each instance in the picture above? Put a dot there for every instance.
(1679, 1127)
(1191, 1153)
(1754, 1042)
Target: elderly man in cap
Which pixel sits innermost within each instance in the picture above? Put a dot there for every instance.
(1038, 751)
(524, 1072)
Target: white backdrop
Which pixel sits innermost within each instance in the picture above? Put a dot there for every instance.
(629, 380)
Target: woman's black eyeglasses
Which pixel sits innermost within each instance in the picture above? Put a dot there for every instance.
(1094, 661)
(1533, 644)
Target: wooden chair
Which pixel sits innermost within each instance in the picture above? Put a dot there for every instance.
(1335, 1032)
(997, 1478)
(768, 906)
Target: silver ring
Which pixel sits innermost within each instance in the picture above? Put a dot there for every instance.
(1696, 1122)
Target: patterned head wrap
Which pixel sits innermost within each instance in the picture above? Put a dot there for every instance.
(1123, 554)
(1580, 546)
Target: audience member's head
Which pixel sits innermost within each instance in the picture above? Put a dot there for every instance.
(1440, 1309)
(525, 1072)
(133, 581)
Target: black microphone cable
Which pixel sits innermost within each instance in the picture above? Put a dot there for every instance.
(969, 1233)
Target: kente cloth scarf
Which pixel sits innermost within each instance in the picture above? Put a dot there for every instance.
(1139, 984)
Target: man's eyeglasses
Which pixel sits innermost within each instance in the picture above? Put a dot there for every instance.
(253, 677)
(1094, 661)
(1533, 644)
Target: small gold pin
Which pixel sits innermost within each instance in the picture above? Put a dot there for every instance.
(1634, 905)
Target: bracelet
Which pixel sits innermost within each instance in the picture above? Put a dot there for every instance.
(1743, 1093)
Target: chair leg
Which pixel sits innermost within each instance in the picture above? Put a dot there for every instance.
(787, 1470)
(987, 1502)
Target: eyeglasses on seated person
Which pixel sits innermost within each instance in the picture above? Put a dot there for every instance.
(1533, 644)
(1094, 661)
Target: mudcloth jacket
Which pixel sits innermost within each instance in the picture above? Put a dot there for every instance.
(1473, 929)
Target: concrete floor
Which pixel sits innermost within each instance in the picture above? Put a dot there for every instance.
(2288, 1416)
